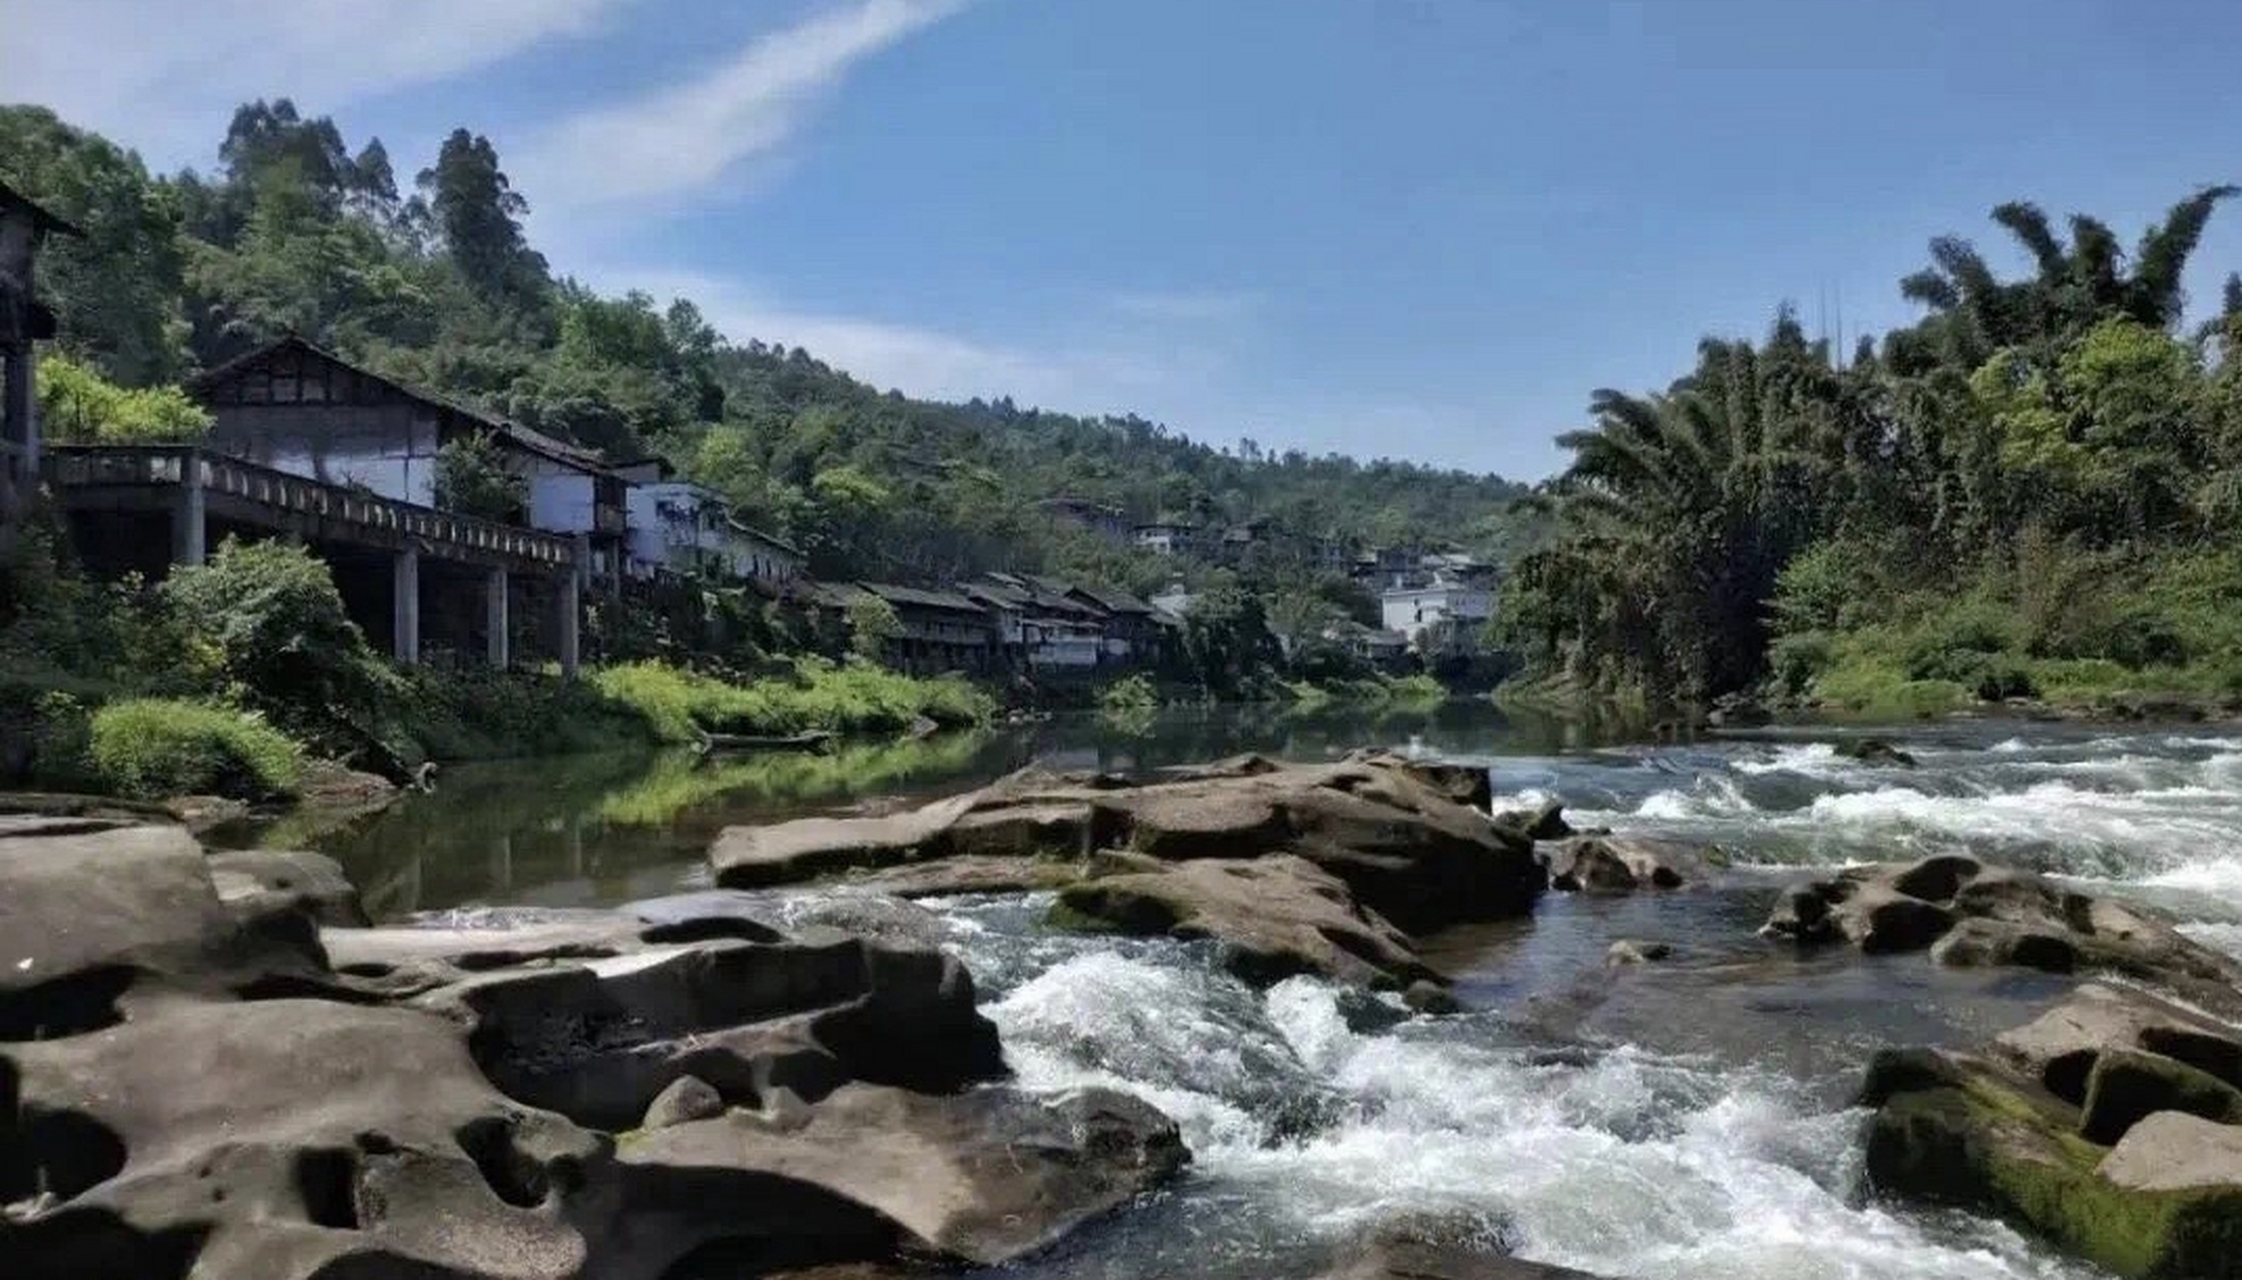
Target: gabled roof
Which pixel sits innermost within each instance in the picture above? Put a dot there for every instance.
(1113, 600)
(43, 220)
(524, 438)
(919, 597)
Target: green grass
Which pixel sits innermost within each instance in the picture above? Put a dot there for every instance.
(681, 705)
(1410, 690)
(152, 748)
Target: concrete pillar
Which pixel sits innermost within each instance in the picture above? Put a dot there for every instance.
(495, 619)
(189, 523)
(19, 457)
(568, 605)
(405, 605)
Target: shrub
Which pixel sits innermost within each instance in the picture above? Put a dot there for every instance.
(1134, 692)
(472, 479)
(856, 697)
(156, 747)
(1796, 660)
(269, 625)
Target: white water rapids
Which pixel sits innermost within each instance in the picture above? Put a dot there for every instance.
(1681, 1123)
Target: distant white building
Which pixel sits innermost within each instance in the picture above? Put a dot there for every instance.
(1437, 614)
(679, 527)
(1168, 538)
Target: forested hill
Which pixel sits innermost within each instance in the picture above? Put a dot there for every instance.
(428, 275)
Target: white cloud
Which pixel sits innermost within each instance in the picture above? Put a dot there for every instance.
(682, 137)
(1096, 373)
(164, 74)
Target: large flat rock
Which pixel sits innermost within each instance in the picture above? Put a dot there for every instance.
(1410, 841)
(982, 1177)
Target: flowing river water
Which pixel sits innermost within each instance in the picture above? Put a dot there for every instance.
(1685, 1120)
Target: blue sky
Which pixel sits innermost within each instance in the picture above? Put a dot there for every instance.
(1412, 228)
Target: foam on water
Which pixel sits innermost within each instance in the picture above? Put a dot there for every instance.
(1623, 1162)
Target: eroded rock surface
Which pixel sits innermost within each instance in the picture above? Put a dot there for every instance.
(197, 1084)
(1411, 841)
(1967, 913)
(1274, 917)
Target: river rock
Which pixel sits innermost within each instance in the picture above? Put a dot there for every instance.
(311, 883)
(1977, 914)
(1877, 751)
(184, 1091)
(984, 1176)
(1440, 1247)
(2025, 1131)
(1394, 831)
(2060, 1048)
(1545, 821)
(1274, 917)
(1630, 951)
(1621, 864)
(88, 915)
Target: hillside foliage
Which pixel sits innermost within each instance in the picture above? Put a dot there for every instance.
(427, 275)
(2032, 491)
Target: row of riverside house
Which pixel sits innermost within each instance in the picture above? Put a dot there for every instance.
(305, 443)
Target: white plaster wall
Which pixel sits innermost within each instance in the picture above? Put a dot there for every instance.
(385, 449)
(560, 501)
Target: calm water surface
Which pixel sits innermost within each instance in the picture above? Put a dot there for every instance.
(1689, 1121)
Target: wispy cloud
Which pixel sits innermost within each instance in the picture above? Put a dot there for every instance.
(163, 74)
(682, 137)
(1088, 373)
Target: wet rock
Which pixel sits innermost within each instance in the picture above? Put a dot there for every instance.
(1545, 821)
(1394, 831)
(1979, 915)
(969, 873)
(202, 813)
(2127, 1086)
(1274, 917)
(2021, 1131)
(311, 883)
(982, 1177)
(1431, 998)
(1623, 864)
(1877, 752)
(1628, 951)
(1441, 1247)
(688, 1098)
(2059, 1049)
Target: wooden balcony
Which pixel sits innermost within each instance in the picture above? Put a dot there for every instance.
(93, 478)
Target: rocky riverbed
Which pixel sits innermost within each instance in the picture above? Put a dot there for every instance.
(1245, 1019)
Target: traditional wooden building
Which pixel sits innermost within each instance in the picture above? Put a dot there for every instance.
(305, 411)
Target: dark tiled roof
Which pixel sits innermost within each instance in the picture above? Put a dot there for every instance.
(1113, 600)
(529, 440)
(919, 597)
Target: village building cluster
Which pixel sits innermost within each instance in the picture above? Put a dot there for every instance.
(306, 444)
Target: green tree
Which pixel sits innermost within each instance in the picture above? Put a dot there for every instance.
(116, 291)
(472, 478)
(872, 624)
(477, 216)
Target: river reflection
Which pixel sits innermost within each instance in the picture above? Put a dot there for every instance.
(599, 829)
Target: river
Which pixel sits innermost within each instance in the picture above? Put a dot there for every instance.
(1687, 1121)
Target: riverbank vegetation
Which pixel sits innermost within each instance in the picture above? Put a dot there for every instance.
(228, 676)
(2030, 493)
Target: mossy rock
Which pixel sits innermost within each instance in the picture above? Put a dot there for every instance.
(1958, 1132)
(2128, 1086)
